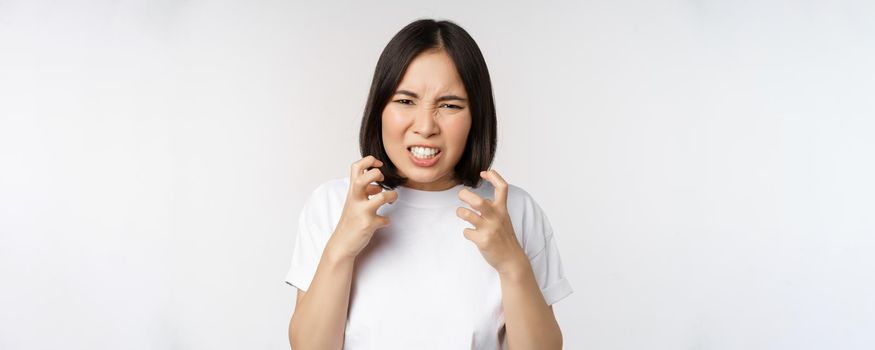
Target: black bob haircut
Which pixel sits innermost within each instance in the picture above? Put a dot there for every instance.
(416, 37)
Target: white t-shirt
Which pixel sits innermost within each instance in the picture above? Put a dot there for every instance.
(420, 284)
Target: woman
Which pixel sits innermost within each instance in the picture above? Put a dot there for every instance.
(431, 256)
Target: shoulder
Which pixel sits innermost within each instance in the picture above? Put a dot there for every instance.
(324, 204)
(519, 201)
(518, 194)
(530, 222)
(331, 188)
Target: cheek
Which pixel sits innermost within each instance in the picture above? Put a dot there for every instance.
(393, 128)
(391, 117)
(456, 131)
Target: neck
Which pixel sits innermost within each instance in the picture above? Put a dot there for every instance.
(438, 185)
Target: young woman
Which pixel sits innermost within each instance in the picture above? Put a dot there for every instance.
(431, 256)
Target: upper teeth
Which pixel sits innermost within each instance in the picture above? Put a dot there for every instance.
(423, 151)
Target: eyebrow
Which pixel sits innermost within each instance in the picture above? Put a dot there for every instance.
(439, 99)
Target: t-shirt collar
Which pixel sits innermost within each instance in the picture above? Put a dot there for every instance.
(431, 199)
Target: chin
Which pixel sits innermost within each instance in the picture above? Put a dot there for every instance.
(423, 175)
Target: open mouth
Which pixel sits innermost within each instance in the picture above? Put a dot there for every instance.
(423, 152)
(424, 156)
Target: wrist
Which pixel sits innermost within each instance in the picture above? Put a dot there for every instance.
(335, 256)
(516, 269)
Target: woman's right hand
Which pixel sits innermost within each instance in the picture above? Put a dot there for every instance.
(359, 219)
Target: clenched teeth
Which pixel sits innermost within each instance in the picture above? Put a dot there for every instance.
(423, 152)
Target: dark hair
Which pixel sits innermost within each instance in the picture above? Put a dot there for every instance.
(413, 39)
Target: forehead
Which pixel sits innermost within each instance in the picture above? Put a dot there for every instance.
(432, 71)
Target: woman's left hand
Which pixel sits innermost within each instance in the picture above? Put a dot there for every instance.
(492, 233)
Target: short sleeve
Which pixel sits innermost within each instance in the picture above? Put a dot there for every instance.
(310, 241)
(546, 262)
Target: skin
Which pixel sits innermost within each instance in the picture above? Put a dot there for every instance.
(529, 321)
(320, 315)
(422, 119)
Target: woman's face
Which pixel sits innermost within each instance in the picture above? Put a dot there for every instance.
(429, 109)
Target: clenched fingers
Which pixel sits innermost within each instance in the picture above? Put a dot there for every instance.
(469, 216)
(382, 198)
(359, 166)
(360, 184)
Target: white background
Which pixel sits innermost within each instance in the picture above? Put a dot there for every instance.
(707, 165)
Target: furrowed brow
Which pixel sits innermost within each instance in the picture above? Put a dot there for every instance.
(450, 98)
(439, 99)
(408, 93)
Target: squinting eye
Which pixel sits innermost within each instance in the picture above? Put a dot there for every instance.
(404, 101)
(451, 106)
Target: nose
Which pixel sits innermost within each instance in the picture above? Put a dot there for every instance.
(424, 122)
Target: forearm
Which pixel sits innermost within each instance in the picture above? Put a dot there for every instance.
(529, 322)
(320, 318)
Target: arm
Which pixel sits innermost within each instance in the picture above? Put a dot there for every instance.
(320, 313)
(529, 321)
